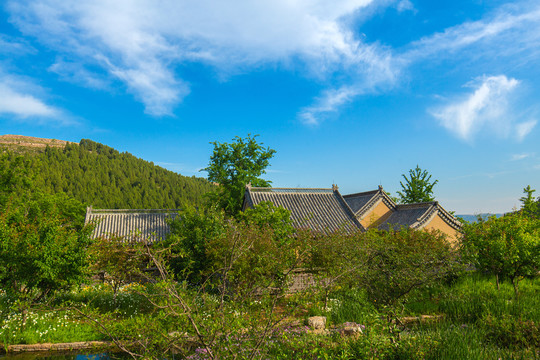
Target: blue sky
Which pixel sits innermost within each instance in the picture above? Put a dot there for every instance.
(352, 92)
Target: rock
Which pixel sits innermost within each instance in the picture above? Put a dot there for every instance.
(350, 331)
(317, 322)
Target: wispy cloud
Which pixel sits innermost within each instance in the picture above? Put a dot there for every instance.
(487, 108)
(509, 30)
(79, 74)
(523, 129)
(329, 102)
(142, 43)
(405, 5)
(11, 45)
(517, 157)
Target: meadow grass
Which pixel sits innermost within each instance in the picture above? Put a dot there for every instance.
(478, 322)
(61, 322)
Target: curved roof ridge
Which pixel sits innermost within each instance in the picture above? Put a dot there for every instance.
(416, 205)
(289, 190)
(378, 194)
(437, 209)
(91, 210)
(349, 210)
(361, 193)
(448, 217)
(428, 215)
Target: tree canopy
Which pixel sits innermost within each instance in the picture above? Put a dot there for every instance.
(418, 187)
(101, 176)
(507, 247)
(234, 165)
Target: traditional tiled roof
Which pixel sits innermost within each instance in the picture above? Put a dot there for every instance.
(417, 216)
(130, 224)
(322, 210)
(362, 203)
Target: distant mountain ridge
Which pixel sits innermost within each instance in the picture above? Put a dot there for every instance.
(19, 142)
(474, 218)
(99, 175)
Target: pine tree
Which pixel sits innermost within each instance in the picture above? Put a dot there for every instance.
(417, 188)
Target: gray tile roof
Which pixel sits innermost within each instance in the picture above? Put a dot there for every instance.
(358, 201)
(406, 215)
(321, 210)
(131, 224)
(417, 216)
(362, 203)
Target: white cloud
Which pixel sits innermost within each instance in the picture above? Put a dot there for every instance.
(142, 43)
(487, 108)
(16, 100)
(145, 43)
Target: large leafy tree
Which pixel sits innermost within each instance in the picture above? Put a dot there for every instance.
(40, 250)
(233, 166)
(43, 239)
(507, 247)
(418, 187)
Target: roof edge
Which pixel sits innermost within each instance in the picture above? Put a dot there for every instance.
(349, 210)
(434, 210)
(378, 194)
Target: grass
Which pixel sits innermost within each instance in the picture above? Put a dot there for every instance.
(64, 324)
(46, 327)
(479, 322)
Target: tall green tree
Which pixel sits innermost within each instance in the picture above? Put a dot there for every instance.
(233, 166)
(529, 205)
(418, 187)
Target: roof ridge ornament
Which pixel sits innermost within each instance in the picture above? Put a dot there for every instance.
(335, 187)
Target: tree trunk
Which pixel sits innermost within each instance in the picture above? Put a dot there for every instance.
(515, 282)
(497, 280)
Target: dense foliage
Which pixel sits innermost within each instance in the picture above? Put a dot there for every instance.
(198, 238)
(507, 247)
(235, 165)
(387, 265)
(40, 250)
(100, 176)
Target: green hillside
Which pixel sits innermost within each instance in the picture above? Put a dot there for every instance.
(99, 175)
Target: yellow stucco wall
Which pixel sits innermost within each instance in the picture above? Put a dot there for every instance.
(437, 223)
(379, 213)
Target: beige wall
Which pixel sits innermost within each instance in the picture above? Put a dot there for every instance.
(437, 223)
(378, 214)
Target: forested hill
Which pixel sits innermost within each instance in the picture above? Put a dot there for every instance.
(99, 175)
